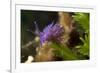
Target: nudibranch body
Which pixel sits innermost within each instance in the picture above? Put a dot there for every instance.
(51, 32)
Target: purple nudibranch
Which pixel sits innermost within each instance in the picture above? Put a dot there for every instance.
(50, 32)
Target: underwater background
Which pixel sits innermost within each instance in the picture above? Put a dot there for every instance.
(54, 36)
